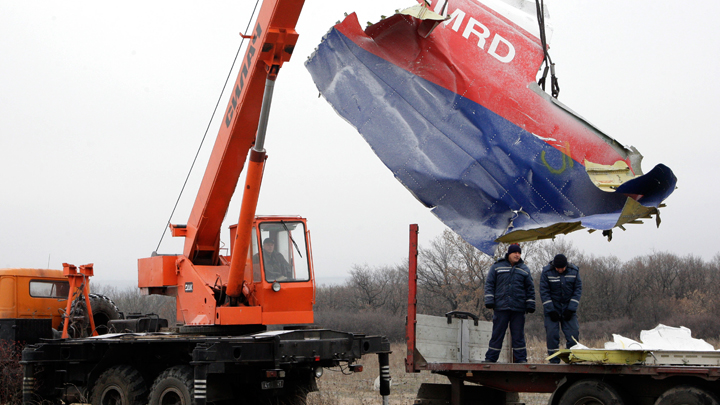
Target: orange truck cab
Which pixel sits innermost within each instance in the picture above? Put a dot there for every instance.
(31, 302)
(33, 294)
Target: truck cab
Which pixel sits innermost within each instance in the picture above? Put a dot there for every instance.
(282, 277)
(33, 294)
(31, 303)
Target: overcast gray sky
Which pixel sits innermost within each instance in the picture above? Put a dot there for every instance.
(104, 105)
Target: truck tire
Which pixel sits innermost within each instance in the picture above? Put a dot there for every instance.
(119, 385)
(687, 395)
(174, 386)
(591, 392)
(103, 311)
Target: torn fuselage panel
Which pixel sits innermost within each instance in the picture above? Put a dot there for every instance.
(460, 121)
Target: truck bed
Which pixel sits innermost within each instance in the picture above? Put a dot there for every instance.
(454, 347)
(529, 377)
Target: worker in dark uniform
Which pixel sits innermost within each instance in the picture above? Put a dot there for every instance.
(510, 293)
(276, 267)
(560, 291)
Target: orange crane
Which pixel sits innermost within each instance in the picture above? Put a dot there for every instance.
(251, 286)
(216, 353)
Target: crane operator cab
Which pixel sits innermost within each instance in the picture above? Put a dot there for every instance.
(280, 261)
(276, 278)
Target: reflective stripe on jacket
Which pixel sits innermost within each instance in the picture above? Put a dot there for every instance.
(559, 292)
(509, 287)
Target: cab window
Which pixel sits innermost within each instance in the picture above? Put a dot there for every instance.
(284, 251)
(49, 289)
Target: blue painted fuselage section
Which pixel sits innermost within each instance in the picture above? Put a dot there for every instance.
(481, 174)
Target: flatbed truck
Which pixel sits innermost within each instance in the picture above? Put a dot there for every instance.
(454, 346)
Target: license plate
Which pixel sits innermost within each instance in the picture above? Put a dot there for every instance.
(271, 385)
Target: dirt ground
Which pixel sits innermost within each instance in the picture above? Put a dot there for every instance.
(358, 388)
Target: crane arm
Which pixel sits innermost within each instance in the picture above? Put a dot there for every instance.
(271, 44)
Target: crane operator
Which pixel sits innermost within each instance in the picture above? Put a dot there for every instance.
(276, 267)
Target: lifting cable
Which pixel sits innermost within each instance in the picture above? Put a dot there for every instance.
(227, 79)
(549, 65)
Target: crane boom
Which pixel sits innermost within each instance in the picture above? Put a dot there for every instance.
(271, 44)
(268, 276)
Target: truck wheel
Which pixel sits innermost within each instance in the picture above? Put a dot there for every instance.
(103, 311)
(119, 385)
(591, 392)
(687, 395)
(175, 386)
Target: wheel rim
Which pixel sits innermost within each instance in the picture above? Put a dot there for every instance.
(588, 401)
(112, 395)
(172, 396)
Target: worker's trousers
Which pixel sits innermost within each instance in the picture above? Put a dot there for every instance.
(516, 321)
(571, 330)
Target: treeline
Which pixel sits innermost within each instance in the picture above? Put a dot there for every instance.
(619, 297)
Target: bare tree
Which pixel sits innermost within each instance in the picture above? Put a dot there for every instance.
(383, 288)
(601, 277)
(397, 282)
(662, 270)
(693, 277)
(537, 254)
(438, 273)
(618, 297)
(370, 289)
(332, 297)
(633, 287)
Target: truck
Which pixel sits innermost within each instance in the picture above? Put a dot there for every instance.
(31, 301)
(242, 330)
(39, 304)
(34, 303)
(454, 346)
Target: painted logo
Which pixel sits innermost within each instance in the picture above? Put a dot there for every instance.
(241, 82)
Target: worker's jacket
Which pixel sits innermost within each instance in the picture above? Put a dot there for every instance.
(510, 287)
(559, 292)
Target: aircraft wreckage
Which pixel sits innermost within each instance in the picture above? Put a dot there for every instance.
(449, 101)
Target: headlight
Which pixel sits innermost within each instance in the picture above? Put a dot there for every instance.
(318, 372)
(276, 286)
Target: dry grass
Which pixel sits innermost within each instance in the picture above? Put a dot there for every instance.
(358, 388)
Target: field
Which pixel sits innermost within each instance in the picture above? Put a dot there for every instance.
(356, 389)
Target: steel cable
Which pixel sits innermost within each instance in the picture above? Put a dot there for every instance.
(202, 141)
